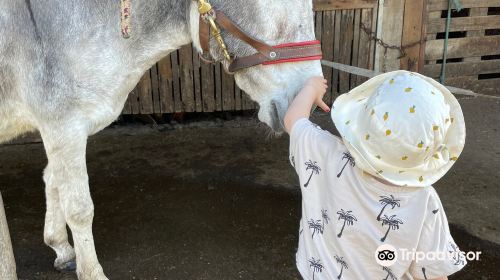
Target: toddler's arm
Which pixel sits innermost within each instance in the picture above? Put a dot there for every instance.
(311, 94)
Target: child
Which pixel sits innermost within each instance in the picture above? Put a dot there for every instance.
(401, 132)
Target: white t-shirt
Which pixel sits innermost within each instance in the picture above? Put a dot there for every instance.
(347, 215)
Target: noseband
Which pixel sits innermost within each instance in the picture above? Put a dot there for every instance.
(211, 19)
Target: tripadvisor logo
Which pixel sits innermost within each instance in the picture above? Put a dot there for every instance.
(386, 255)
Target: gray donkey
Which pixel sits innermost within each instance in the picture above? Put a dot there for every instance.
(66, 71)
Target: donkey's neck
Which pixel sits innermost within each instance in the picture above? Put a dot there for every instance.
(158, 28)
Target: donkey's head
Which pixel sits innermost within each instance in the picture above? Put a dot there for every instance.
(274, 22)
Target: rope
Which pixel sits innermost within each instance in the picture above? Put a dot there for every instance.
(370, 74)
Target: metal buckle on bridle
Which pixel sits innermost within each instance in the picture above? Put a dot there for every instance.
(208, 15)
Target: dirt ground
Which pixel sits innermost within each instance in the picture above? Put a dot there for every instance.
(218, 200)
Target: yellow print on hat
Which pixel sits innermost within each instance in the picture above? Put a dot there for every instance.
(391, 81)
(420, 145)
(412, 109)
(421, 178)
(388, 132)
(386, 116)
(367, 137)
(408, 89)
(404, 158)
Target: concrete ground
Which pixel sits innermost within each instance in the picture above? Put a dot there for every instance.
(218, 200)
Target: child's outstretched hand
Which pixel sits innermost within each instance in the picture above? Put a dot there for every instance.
(312, 94)
(318, 86)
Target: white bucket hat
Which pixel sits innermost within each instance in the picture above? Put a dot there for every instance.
(402, 127)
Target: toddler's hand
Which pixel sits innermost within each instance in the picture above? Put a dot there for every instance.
(318, 86)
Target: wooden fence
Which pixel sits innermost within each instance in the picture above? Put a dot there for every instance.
(181, 83)
(474, 45)
(473, 53)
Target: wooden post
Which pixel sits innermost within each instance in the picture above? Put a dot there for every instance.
(390, 30)
(414, 31)
(7, 263)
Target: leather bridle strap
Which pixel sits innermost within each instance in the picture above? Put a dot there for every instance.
(293, 52)
(297, 52)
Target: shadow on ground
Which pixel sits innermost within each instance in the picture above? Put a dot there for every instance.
(222, 202)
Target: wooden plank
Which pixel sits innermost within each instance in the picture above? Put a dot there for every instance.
(337, 56)
(176, 82)
(438, 5)
(227, 91)
(155, 89)
(186, 76)
(436, 25)
(318, 25)
(412, 32)
(327, 42)
(489, 86)
(218, 87)
(166, 85)
(464, 68)
(133, 98)
(463, 47)
(364, 43)
(197, 81)
(208, 87)
(476, 12)
(237, 98)
(145, 94)
(391, 32)
(7, 262)
(247, 102)
(329, 5)
(371, 59)
(355, 45)
(347, 26)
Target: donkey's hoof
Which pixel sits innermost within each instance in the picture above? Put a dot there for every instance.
(69, 266)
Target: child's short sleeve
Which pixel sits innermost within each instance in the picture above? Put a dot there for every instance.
(443, 257)
(308, 142)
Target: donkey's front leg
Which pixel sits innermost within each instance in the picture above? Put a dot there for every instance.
(55, 234)
(66, 154)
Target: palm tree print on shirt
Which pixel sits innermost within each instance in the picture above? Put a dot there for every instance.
(315, 226)
(350, 160)
(390, 274)
(316, 266)
(455, 252)
(348, 218)
(423, 271)
(324, 217)
(392, 223)
(387, 200)
(313, 166)
(343, 264)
